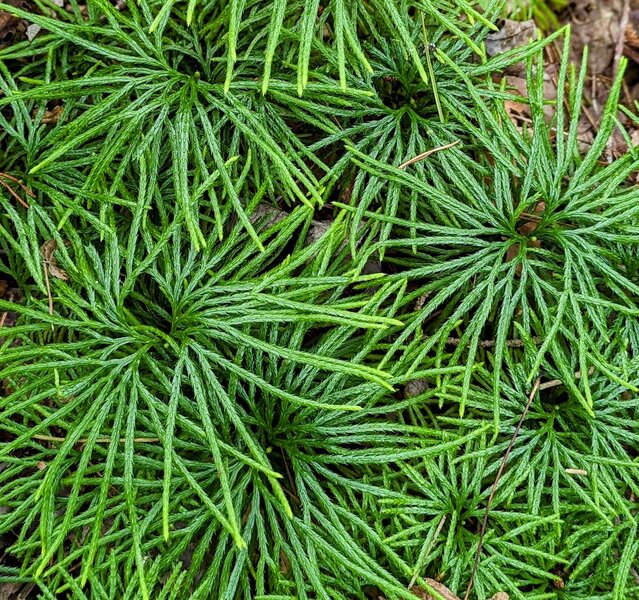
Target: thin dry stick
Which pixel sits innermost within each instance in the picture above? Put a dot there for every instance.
(426, 154)
(102, 440)
(16, 180)
(516, 343)
(13, 193)
(27, 191)
(502, 466)
(623, 25)
(428, 550)
(557, 382)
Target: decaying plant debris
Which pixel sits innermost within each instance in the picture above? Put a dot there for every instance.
(318, 300)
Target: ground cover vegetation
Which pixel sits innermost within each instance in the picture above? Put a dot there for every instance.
(304, 313)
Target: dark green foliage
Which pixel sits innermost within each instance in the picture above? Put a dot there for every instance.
(230, 275)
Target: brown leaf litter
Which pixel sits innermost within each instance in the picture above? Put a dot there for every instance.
(52, 116)
(511, 34)
(595, 24)
(445, 593)
(13, 29)
(11, 294)
(47, 249)
(609, 29)
(51, 267)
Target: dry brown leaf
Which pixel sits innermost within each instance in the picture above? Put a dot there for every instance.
(12, 28)
(512, 34)
(585, 135)
(47, 250)
(443, 591)
(32, 31)
(266, 216)
(501, 596)
(415, 388)
(632, 30)
(529, 226)
(317, 230)
(9, 590)
(512, 252)
(616, 147)
(595, 24)
(518, 86)
(52, 116)
(6, 20)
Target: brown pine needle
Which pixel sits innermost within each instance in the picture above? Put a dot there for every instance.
(502, 466)
(426, 154)
(11, 190)
(15, 180)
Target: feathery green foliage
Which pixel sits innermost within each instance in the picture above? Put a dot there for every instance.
(263, 352)
(524, 244)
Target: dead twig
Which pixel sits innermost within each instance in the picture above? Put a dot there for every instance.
(6, 186)
(426, 154)
(515, 343)
(502, 466)
(623, 25)
(557, 382)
